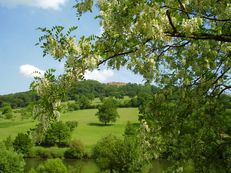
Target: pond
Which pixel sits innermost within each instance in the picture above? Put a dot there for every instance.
(79, 166)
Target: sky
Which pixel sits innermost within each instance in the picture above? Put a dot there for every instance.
(19, 57)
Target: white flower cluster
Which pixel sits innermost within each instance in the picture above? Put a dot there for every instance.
(192, 25)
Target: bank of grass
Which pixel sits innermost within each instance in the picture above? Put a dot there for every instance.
(89, 129)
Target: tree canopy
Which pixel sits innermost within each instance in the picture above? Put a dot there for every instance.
(183, 46)
(10, 161)
(107, 112)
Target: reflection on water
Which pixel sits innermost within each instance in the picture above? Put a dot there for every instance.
(79, 166)
(74, 166)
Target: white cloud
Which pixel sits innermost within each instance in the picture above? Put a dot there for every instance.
(30, 70)
(101, 76)
(44, 4)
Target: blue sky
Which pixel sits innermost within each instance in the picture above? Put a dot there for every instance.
(18, 35)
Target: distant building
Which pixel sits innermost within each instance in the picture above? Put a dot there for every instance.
(117, 83)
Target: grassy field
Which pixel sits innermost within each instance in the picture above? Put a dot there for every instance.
(89, 129)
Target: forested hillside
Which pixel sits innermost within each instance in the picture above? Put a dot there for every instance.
(87, 88)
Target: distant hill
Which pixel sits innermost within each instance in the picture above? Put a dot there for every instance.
(88, 88)
(117, 83)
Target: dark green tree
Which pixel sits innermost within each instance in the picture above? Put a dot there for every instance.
(83, 102)
(22, 143)
(130, 130)
(10, 161)
(7, 111)
(72, 124)
(75, 150)
(27, 112)
(52, 166)
(59, 133)
(120, 156)
(107, 112)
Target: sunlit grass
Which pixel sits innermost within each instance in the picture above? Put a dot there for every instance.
(89, 129)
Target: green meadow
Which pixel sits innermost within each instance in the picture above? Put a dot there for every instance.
(89, 129)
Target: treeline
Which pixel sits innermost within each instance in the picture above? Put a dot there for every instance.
(94, 89)
(17, 100)
(89, 89)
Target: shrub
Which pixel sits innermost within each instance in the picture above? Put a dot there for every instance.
(22, 143)
(9, 115)
(72, 124)
(6, 109)
(58, 134)
(75, 151)
(120, 156)
(8, 142)
(51, 152)
(83, 102)
(130, 130)
(10, 161)
(73, 106)
(52, 166)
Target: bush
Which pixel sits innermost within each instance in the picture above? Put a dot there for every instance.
(52, 166)
(83, 102)
(73, 106)
(130, 130)
(75, 151)
(58, 134)
(10, 161)
(9, 115)
(6, 109)
(72, 124)
(8, 143)
(120, 156)
(22, 143)
(102, 152)
(51, 152)
(26, 112)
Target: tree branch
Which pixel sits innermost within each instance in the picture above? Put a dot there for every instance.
(170, 21)
(116, 55)
(183, 9)
(197, 14)
(225, 88)
(202, 36)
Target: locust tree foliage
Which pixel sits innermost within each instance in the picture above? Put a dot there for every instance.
(183, 46)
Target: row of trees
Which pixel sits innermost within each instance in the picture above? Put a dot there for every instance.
(89, 89)
(17, 100)
(94, 89)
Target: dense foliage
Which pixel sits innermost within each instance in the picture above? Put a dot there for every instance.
(22, 143)
(82, 92)
(107, 112)
(116, 155)
(183, 47)
(7, 111)
(10, 161)
(75, 150)
(52, 166)
(94, 89)
(59, 133)
(17, 100)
